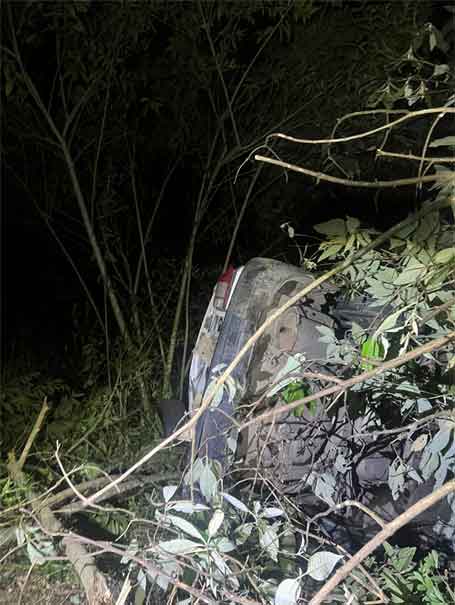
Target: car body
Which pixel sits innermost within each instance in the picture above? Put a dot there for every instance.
(329, 451)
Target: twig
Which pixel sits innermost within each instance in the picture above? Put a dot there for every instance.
(27, 578)
(31, 438)
(320, 176)
(450, 416)
(410, 156)
(408, 116)
(321, 376)
(99, 419)
(422, 168)
(126, 486)
(215, 55)
(101, 481)
(240, 217)
(341, 505)
(434, 312)
(412, 512)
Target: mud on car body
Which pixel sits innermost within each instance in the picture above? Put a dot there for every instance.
(313, 454)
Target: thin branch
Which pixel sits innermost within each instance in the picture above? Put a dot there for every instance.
(206, 28)
(140, 482)
(361, 135)
(60, 76)
(413, 511)
(422, 168)
(152, 222)
(118, 314)
(419, 158)
(143, 260)
(146, 564)
(240, 217)
(320, 176)
(259, 51)
(342, 505)
(448, 416)
(435, 311)
(36, 429)
(82, 101)
(100, 140)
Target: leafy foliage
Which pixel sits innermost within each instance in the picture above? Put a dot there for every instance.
(406, 581)
(410, 277)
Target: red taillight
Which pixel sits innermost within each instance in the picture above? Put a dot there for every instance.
(223, 286)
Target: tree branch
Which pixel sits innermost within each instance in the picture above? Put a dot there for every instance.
(403, 519)
(321, 176)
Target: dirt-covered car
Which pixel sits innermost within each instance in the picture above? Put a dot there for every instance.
(326, 451)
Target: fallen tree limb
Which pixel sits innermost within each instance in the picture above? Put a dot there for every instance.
(92, 580)
(127, 486)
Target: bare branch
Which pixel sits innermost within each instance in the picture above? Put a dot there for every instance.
(403, 519)
(409, 115)
(321, 176)
(36, 429)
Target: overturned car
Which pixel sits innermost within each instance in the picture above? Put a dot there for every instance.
(331, 449)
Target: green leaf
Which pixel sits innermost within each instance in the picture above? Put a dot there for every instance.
(185, 526)
(371, 349)
(272, 511)
(352, 224)
(405, 230)
(444, 142)
(243, 532)
(194, 472)
(268, 539)
(334, 227)
(404, 558)
(220, 563)
(288, 592)
(330, 251)
(181, 546)
(169, 491)
(321, 564)
(215, 522)
(426, 227)
(294, 391)
(186, 506)
(324, 487)
(445, 256)
(235, 502)
(388, 324)
(208, 482)
(224, 545)
(38, 554)
(410, 273)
